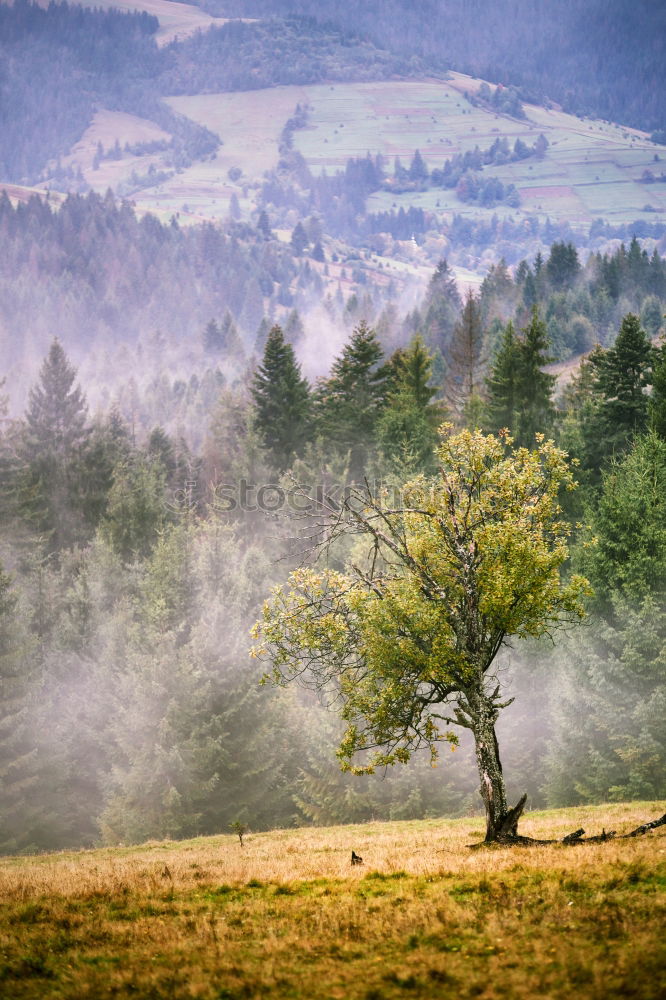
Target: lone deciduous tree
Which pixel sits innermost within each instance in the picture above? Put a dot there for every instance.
(408, 635)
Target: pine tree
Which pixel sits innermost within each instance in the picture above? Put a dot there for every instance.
(52, 453)
(350, 402)
(612, 676)
(196, 741)
(563, 265)
(407, 428)
(294, 331)
(579, 436)
(261, 337)
(502, 404)
(464, 375)
(299, 239)
(108, 445)
(223, 338)
(535, 386)
(137, 508)
(57, 414)
(264, 226)
(624, 373)
(441, 308)
(212, 337)
(282, 404)
(418, 171)
(629, 524)
(609, 704)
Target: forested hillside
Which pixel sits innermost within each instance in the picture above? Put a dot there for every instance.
(63, 61)
(94, 274)
(134, 564)
(133, 300)
(57, 63)
(592, 57)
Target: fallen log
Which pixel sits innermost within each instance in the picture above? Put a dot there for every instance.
(647, 826)
(512, 839)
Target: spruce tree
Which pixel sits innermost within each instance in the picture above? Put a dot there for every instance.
(108, 445)
(52, 476)
(350, 401)
(57, 413)
(282, 405)
(441, 308)
(299, 239)
(612, 676)
(464, 376)
(502, 385)
(535, 386)
(624, 373)
(212, 338)
(137, 507)
(629, 525)
(407, 428)
(563, 265)
(609, 741)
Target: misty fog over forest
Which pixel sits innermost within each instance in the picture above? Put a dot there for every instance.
(256, 251)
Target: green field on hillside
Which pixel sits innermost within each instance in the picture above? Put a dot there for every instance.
(590, 170)
(286, 916)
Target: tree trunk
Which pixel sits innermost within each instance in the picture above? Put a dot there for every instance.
(501, 822)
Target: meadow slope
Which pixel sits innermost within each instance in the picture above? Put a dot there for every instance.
(286, 915)
(591, 170)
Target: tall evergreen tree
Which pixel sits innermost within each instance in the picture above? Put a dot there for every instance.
(629, 524)
(299, 239)
(608, 741)
(624, 372)
(282, 403)
(441, 308)
(57, 413)
(465, 357)
(137, 507)
(351, 400)
(502, 386)
(212, 337)
(51, 480)
(407, 428)
(563, 265)
(535, 386)
(612, 677)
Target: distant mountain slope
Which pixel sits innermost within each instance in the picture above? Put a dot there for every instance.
(606, 58)
(60, 64)
(55, 64)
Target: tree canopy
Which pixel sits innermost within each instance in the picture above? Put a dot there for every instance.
(407, 635)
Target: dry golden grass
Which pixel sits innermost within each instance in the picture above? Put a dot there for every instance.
(287, 916)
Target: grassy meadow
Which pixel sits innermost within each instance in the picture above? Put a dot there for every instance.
(592, 169)
(287, 916)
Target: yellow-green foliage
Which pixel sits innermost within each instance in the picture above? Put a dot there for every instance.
(286, 915)
(467, 559)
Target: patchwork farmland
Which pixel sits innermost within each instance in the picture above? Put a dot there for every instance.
(591, 169)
